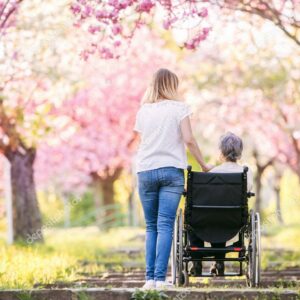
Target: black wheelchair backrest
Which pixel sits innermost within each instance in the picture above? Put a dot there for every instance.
(216, 205)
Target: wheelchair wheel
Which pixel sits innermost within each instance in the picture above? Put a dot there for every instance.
(253, 265)
(251, 251)
(258, 250)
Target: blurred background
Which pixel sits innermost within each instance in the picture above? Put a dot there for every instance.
(68, 191)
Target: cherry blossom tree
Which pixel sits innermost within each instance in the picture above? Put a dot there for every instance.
(255, 119)
(114, 22)
(284, 13)
(110, 23)
(249, 86)
(35, 77)
(96, 139)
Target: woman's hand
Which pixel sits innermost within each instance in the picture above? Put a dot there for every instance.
(207, 167)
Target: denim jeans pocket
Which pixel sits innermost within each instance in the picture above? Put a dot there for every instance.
(145, 180)
(174, 177)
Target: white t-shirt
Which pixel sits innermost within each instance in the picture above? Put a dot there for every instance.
(232, 167)
(161, 141)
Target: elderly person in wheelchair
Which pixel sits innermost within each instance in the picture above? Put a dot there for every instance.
(231, 147)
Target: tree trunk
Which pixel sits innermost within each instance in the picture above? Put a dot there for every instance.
(107, 185)
(277, 197)
(98, 198)
(104, 195)
(132, 214)
(258, 186)
(259, 173)
(278, 205)
(27, 224)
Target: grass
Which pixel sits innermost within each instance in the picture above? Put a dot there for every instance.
(281, 247)
(66, 256)
(149, 295)
(71, 254)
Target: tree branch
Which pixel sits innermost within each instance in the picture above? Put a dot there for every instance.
(271, 14)
(9, 13)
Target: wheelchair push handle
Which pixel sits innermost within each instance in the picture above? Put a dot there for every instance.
(250, 194)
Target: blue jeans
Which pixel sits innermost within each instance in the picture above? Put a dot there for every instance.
(160, 191)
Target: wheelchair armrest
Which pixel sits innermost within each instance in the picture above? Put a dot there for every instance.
(250, 194)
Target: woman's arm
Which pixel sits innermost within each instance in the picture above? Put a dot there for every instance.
(190, 141)
(135, 141)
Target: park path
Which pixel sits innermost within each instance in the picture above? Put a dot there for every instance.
(126, 293)
(283, 284)
(116, 285)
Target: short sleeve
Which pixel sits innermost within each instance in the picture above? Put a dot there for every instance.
(185, 111)
(137, 125)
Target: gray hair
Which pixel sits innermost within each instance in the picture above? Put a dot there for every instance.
(231, 146)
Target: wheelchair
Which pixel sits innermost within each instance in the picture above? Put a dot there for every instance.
(216, 210)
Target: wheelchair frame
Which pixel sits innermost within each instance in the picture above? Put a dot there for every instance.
(249, 254)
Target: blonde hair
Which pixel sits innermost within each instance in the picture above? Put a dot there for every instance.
(164, 85)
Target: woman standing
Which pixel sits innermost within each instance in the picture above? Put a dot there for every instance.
(164, 127)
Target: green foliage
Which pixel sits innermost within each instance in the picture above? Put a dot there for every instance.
(82, 214)
(82, 210)
(149, 295)
(51, 207)
(280, 259)
(83, 296)
(25, 296)
(290, 197)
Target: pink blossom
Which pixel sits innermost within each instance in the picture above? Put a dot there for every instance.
(203, 13)
(84, 55)
(93, 29)
(145, 6)
(201, 36)
(106, 53)
(190, 45)
(76, 9)
(87, 11)
(117, 43)
(167, 24)
(206, 30)
(112, 13)
(100, 14)
(114, 3)
(124, 4)
(117, 29)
